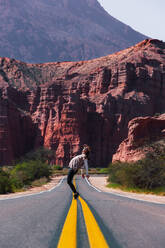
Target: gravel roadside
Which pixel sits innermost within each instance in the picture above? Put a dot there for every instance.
(34, 190)
(100, 182)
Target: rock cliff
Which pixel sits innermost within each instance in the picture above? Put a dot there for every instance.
(142, 132)
(66, 104)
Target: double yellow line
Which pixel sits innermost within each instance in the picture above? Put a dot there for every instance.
(68, 236)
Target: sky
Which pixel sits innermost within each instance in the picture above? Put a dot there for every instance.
(144, 16)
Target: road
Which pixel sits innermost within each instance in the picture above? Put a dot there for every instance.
(53, 219)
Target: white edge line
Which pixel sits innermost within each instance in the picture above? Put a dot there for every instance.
(92, 185)
(129, 197)
(16, 197)
(134, 198)
(57, 184)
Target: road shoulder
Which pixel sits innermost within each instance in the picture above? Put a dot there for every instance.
(34, 190)
(100, 182)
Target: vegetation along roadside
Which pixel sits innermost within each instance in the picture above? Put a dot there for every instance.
(144, 176)
(33, 170)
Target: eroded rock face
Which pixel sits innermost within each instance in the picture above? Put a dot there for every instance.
(67, 104)
(17, 132)
(142, 132)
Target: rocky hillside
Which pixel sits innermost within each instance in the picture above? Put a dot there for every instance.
(64, 105)
(142, 133)
(38, 31)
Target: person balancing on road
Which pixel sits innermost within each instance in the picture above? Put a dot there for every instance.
(76, 163)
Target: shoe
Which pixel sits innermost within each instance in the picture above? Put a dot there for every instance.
(76, 195)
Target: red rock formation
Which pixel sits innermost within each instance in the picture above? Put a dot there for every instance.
(64, 105)
(142, 132)
(17, 132)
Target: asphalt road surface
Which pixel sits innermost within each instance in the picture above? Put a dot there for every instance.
(97, 219)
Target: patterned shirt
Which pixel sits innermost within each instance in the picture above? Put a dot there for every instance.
(78, 162)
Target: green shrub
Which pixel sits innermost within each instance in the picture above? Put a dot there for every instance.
(103, 170)
(57, 167)
(147, 173)
(151, 173)
(28, 171)
(23, 174)
(39, 182)
(5, 182)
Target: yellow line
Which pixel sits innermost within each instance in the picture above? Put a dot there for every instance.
(96, 238)
(74, 182)
(68, 236)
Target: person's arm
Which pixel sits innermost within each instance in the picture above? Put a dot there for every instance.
(86, 168)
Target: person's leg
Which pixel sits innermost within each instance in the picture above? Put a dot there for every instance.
(70, 176)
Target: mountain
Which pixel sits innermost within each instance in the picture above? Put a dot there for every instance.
(38, 31)
(64, 105)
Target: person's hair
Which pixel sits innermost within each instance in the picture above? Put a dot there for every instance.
(86, 150)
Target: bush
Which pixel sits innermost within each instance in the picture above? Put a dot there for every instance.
(57, 167)
(39, 182)
(151, 173)
(147, 173)
(5, 182)
(103, 170)
(25, 173)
